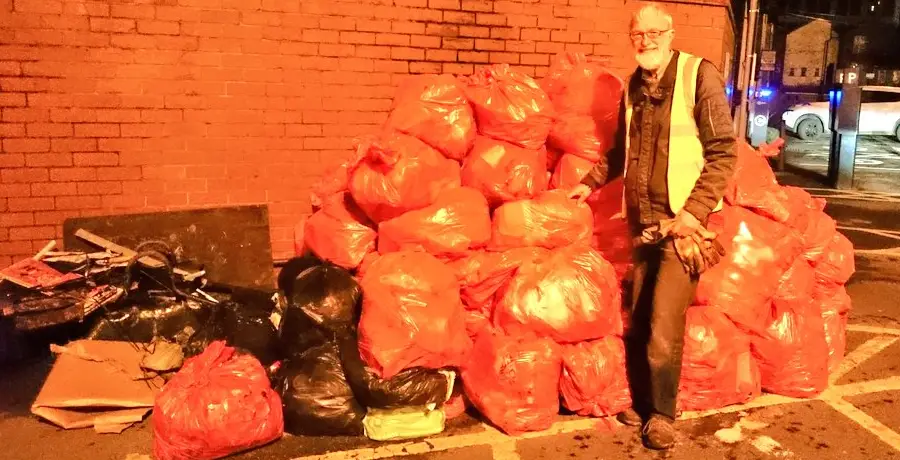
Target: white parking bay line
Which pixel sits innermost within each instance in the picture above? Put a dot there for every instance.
(410, 448)
(872, 329)
(862, 353)
(505, 450)
(868, 387)
(857, 167)
(869, 423)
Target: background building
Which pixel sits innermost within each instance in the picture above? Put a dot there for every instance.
(813, 37)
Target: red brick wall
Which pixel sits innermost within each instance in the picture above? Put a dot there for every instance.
(122, 106)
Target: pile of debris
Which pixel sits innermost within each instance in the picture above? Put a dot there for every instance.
(59, 287)
(140, 312)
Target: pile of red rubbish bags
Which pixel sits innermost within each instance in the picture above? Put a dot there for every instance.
(470, 257)
(447, 246)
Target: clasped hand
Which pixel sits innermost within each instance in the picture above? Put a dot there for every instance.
(697, 248)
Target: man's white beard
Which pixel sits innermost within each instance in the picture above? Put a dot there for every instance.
(650, 60)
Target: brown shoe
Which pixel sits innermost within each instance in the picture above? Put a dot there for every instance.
(659, 433)
(629, 417)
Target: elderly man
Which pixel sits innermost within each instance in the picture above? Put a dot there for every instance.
(677, 149)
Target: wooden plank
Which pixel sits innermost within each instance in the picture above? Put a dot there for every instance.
(47, 248)
(110, 246)
(148, 261)
(231, 243)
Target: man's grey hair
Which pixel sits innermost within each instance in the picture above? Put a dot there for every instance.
(652, 9)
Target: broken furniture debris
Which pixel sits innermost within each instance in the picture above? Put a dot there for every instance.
(55, 288)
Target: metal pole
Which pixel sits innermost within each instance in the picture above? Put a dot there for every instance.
(739, 88)
(751, 60)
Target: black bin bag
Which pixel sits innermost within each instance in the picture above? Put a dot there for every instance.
(249, 328)
(245, 326)
(292, 269)
(316, 397)
(142, 320)
(325, 297)
(416, 386)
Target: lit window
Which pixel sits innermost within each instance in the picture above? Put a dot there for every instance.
(859, 44)
(803, 71)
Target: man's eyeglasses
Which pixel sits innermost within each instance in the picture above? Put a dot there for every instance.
(651, 34)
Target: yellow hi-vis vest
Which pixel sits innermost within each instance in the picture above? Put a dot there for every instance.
(685, 149)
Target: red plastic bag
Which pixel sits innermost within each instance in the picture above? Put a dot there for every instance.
(586, 97)
(399, 173)
(818, 235)
(299, 237)
(482, 274)
(607, 204)
(801, 208)
(718, 369)
(340, 232)
(477, 321)
(459, 220)
(571, 296)
(455, 407)
(754, 185)
(218, 404)
(335, 181)
(594, 382)
(835, 304)
(837, 264)
(570, 170)
(792, 352)
(553, 157)
(514, 381)
(434, 109)
(758, 252)
(412, 315)
(504, 172)
(612, 234)
(510, 106)
(367, 262)
(551, 221)
(616, 248)
(580, 84)
(580, 135)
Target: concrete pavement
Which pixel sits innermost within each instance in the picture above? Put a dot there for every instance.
(855, 418)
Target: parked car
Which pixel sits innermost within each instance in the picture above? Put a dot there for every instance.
(879, 115)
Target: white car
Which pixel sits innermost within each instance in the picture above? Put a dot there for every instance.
(879, 115)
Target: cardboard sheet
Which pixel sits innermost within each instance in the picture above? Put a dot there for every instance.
(96, 383)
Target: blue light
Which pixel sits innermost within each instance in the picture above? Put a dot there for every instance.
(840, 95)
(766, 93)
(831, 96)
(729, 90)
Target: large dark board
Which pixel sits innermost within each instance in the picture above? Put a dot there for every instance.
(231, 242)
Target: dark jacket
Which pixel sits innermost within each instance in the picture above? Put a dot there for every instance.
(646, 189)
